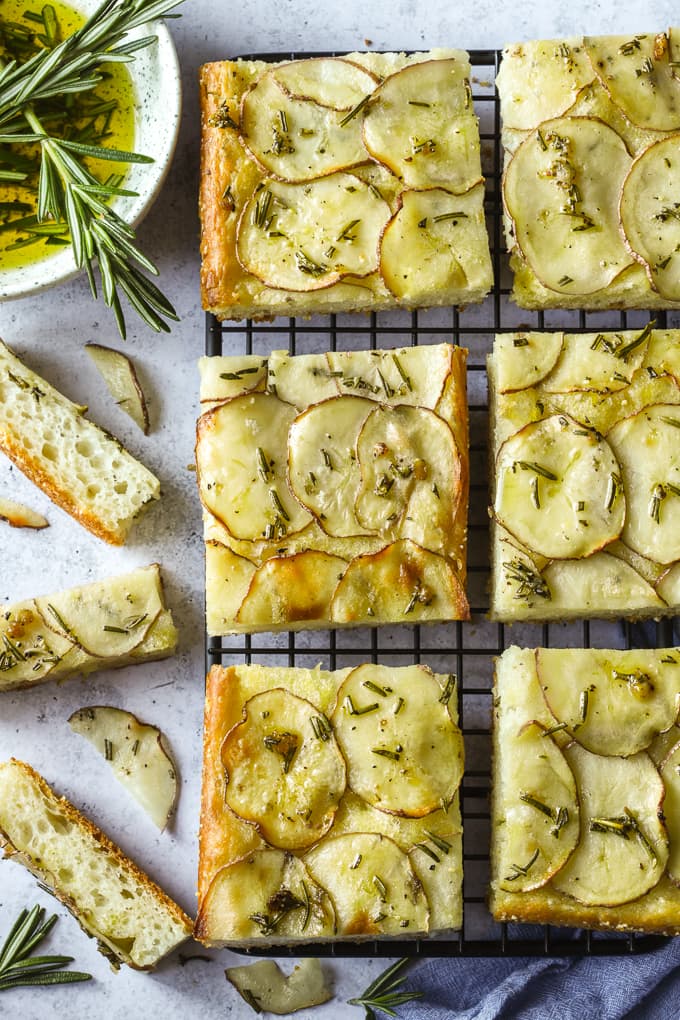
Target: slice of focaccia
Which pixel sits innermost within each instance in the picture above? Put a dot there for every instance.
(116, 622)
(80, 466)
(585, 788)
(341, 184)
(330, 805)
(586, 474)
(133, 920)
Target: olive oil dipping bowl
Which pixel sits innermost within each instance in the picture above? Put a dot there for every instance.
(155, 95)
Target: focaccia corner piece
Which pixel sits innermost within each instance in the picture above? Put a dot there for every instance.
(585, 825)
(339, 184)
(334, 488)
(586, 474)
(117, 622)
(330, 805)
(133, 920)
(81, 467)
(591, 133)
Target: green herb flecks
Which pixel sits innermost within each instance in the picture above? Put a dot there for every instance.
(627, 349)
(385, 994)
(529, 582)
(385, 752)
(351, 708)
(450, 686)
(356, 110)
(284, 744)
(529, 465)
(18, 967)
(279, 906)
(522, 870)
(322, 727)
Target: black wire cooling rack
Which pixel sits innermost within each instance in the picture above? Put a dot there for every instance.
(465, 648)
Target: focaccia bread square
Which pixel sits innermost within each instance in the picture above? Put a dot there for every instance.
(338, 184)
(592, 170)
(585, 437)
(330, 805)
(585, 827)
(334, 488)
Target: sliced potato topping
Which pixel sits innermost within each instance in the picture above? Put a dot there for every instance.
(420, 124)
(241, 465)
(613, 703)
(540, 80)
(303, 237)
(297, 139)
(264, 986)
(288, 589)
(285, 770)
(559, 489)
(599, 584)
(650, 212)
(601, 362)
(334, 82)
(403, 750)
(561, 189)
(407, 375)
(623, 845)
(519, 579)
(663, 352)
(29, 649)
(371, 883)
(230, 376)
(270, 893)
(638, 74)
(670, 774)
(300, 379)
(668, 586)
(227, 579)
(138, 755)
(647, 446)
(524, 359)
(120, 376)
(18, 515)
(540, 826)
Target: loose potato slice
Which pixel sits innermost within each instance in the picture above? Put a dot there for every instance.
(264, 986)
(541, 80)
(323, 465)
(410, 475)
(288, 589)
(371, 883)
(118, 372)
(668, 587)
(29, 649)
(524, 359)
(670, 774)
(285, 771)
(302, 379)
(227, 579)
(541, 822)
(267, 892)
(600, 584)
(230, 376)
(650, 213)
(639, 76)
(18, 515)
(307, 237)
(561, 189)
(294, 139)
(435, 241)
(401, 581)
(420, 124)
(403, 750)
(407, 375)
(334, 82)
(241, 466)
(557, 488)
(138, 755)
(598, 362)
(647, 446)
(611, 703)
(623, 845)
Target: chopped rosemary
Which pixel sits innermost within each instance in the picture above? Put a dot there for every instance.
(400, 704)
(627, 349)
(427, 147)
(327, 459)
(385, 752)
(284, 744)
(355, 863)
(322, 727)
(623, 825)
(529, 465)
(108, 749)
(307, 905)
(613, 486)
(420, 594)
(376, 689)
(520, 341)
(564, 281)
(399, 367)
(658, 495)
(18, 967)
(554, 729)
(309, 266)
(416, 102)
(278, 905)
(346, 232)
(357, 109)
(278, 505)
(535, 498)
(449, 688)
(426, 850)
(353, 710)
(533, 802)
(529, 582)
(239, 373)
(439, 841)
(110, 629)
(381, 887)
(675, 422)
(522, 870)
(584, 699)
(263, 204)
(450, 216)
(263, 468)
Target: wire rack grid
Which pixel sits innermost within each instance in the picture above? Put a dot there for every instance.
(467, 649)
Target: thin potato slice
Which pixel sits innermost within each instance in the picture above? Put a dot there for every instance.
(302, 379)
(519, 580)
(403, 750)
(138, 755)
(333, 82)
(561, 189)
(420, 124)
(600, 584)
(264, 986)
(668, 587)
(303, 237)
(118, 372)
(288, 589)
(623, 846)
(524, 359)
(639, 77)
(227, 579)
(540, 80)
(403, 581)
(557, 489)
(650, 213)
(439, 867)
(612, 703)
(29, 649)
(598, 362)
(285, 771)
(663, 352)
(647, 446)
(371, 883)
(670, 774)
(541, 820)
(407, 375)
(230, 376)
(294, 139)
(435, 241)
(18, 515)
(241, 466)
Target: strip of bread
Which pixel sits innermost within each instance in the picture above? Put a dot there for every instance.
(132, 919)
(81, 467)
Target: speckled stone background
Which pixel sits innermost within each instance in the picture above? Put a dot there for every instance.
(49, 331)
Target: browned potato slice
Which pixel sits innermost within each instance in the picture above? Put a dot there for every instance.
(407, 375)
(599, 584)
(285, 771)
(18, 515)
(118, 372)
(601, 362)
(639, 76)
(541, 80)
(264, 986)
(288, 589)
(420, 124)
(524, 359)
(334, 82)
(670, 774)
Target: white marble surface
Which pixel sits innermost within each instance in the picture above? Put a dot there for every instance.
(49, 331)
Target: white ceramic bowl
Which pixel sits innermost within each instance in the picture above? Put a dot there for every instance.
(158, 105)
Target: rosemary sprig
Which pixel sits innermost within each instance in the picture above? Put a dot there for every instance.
(385, 994)
(18, 967)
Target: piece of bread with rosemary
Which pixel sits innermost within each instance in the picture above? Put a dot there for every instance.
(585, 789)
(82, 468)
(585, 487)
(339, 184)
(330, 806)
(114, 901)
(116, 622)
